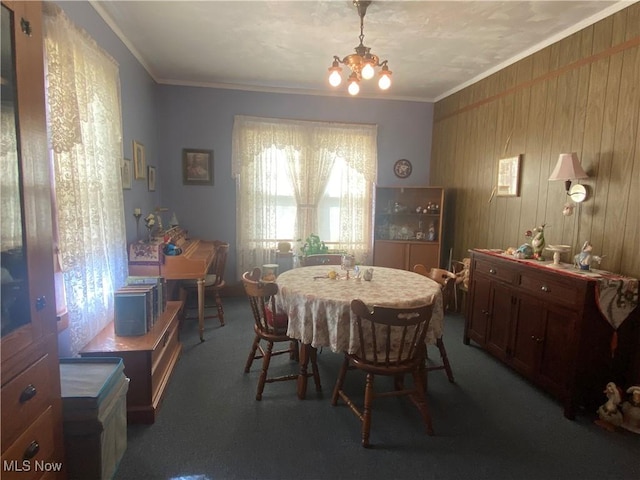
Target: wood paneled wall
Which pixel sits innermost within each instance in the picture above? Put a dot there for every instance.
(581, 94)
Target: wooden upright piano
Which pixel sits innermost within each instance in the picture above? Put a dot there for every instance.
(148, 258)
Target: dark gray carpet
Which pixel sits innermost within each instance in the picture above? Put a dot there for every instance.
(490, 424)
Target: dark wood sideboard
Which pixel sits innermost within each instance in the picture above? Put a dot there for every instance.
(148, 359)
(544, 324)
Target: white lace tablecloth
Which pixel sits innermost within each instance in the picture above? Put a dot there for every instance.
(319, 309)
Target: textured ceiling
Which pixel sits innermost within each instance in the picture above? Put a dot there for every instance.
(433, 48)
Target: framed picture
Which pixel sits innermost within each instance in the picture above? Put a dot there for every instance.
(125, 171)
(151, 178)
(139, 162)
(197, 167)
(509, 177)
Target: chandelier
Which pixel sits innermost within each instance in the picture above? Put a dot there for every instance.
(362, 63)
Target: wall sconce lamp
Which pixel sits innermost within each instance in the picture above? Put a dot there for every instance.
(568, 168)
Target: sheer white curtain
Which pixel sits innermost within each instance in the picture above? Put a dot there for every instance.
(325, 168)
(9, 180)
(84, 123)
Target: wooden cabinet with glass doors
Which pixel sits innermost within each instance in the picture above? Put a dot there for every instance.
(408, 227)
(31, 403)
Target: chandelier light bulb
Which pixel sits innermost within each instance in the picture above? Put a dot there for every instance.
(354, 88)
(367, 71)
(385, 78)
(335, 78)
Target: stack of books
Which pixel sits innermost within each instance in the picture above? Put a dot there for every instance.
(139, 304)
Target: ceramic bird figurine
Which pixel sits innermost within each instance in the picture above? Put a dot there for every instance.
(538, 242)
(585, 258)
(631, 410)
(609, 412)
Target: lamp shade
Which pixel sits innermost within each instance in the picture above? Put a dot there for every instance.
(568, 168)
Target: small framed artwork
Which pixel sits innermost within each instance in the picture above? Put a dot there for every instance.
(139, 162)
(125, 171)
(509, 177)
(151, 178)
(197, 167)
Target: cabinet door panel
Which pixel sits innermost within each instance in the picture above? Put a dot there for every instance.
(390, 254)
(557, 348)
(499, 327)
(424, 253)
(527, 334)
(478, 315)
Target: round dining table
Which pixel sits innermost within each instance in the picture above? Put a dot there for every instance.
(319, 306)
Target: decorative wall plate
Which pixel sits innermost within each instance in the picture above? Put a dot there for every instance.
(402, 168)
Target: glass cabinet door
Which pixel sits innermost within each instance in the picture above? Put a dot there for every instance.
(14, 277)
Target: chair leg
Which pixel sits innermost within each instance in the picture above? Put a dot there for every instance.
(420, 400)
(314, 369)
(294, 353)
(368, 407)
(445, 359)
(220, 308)
(265, 368)
(340, 381)
(252, 354)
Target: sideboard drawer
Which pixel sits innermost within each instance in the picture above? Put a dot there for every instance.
(36, 444)
(167, 351)
(24, 398)
(495, 270)
(543, 287)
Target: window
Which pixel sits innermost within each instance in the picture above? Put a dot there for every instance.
(295, 178)
(84, 127)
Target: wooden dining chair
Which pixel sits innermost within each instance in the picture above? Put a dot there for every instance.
(321, 259)
(392, 344)
(461, 270)
(270, 326)
(447, 283)
(213, 284)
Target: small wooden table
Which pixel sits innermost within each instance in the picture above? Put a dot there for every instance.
(148, 359)
(319, 308)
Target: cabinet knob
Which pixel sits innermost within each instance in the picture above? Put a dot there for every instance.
(31, 451)
(25, 26)
(544, 288)
(536, 339)
(41, 303)
(493, 271)
(28, 393)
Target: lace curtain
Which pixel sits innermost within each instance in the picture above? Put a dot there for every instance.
(84, 125)
(311, 151)
(9, 181)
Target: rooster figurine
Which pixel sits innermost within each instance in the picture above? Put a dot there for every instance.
(538, 242)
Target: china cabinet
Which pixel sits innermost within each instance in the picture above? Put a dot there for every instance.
(542, 323)
(31, 402)
(408, 227)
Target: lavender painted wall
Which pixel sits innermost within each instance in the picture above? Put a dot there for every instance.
(202, 118)
(167, 119)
